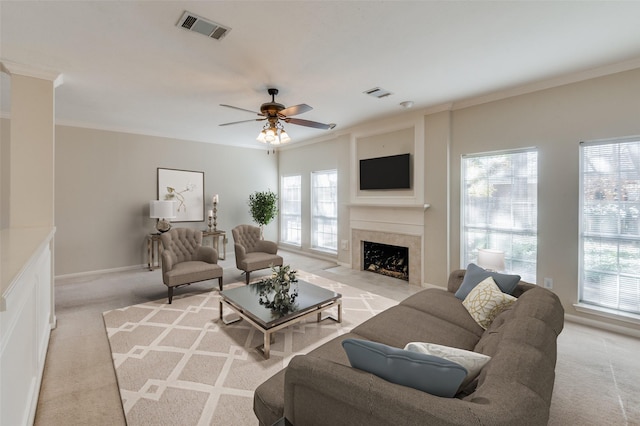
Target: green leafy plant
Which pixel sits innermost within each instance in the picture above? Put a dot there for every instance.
(276, 292)
(263, 207)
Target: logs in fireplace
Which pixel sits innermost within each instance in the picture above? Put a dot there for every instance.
(386, 259)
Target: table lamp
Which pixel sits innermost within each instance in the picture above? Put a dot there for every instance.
(491, 260)
(163, 211)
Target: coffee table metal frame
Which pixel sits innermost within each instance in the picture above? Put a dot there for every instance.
(265, 348)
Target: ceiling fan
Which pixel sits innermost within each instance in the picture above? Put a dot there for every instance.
(275, 113)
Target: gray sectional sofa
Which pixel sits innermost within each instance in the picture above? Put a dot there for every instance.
(514, 388)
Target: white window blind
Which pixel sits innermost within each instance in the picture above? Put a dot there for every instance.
(610, 224)
(324, 220)
(290, 210)
(500, 208)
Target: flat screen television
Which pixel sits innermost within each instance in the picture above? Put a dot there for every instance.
(391, 172)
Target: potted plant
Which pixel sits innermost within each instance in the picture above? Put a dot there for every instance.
(263, 207)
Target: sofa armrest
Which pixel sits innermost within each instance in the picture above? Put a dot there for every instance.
(207, 254)
(318, 391)
(455, 280)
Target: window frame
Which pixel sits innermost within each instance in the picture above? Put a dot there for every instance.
(526, 233)
(314, 235)
(586, 232)
(284, 215)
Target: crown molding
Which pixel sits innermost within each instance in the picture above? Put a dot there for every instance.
(133, 131)
(13, 68)
(549, 83)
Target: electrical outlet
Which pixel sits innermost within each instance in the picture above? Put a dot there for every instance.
(548, 283)
(345, 244)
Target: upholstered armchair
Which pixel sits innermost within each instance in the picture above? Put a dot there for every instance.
(252, 252)
(186, 261)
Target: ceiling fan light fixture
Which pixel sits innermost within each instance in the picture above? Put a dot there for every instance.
(275, 115)
(270, 135)
(284, 137)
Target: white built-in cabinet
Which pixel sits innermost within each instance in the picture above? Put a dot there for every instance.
(26, 319)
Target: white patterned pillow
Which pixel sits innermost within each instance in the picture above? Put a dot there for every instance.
(486, 301)
(471, 361)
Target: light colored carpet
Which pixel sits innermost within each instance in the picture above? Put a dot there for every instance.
(178, 364)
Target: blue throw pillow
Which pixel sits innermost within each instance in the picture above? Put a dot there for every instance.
(427, 373)
(475, 275)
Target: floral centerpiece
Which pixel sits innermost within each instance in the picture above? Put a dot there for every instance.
(276, 292)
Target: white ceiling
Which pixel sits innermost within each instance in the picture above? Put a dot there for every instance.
(128, 67)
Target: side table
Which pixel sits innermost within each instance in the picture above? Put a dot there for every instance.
(215, 237)
(154, 249)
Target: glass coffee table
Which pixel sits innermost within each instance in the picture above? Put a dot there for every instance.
(311, 300)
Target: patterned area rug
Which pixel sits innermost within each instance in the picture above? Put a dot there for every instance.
(179, 365)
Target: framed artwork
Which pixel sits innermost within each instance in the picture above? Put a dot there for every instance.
(186, 188)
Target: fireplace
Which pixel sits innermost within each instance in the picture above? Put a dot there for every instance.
(385, 259)
(413, 244)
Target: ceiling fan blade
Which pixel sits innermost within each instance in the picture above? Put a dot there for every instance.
(241, 109)
(309, 123)
(295, 110)
(243, 121)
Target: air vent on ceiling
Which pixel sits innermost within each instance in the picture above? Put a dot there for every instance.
(192, 22)
(377, 92)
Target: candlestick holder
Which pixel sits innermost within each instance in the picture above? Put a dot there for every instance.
(215, 215)
(210, 224)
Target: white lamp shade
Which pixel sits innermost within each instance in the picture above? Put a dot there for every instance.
(490, 259)
(162, 209)
(284, 137)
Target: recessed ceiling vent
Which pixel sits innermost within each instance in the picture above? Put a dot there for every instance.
(192, 22)
(377, 92)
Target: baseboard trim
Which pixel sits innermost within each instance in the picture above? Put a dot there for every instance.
(627, 331)
(102, 271)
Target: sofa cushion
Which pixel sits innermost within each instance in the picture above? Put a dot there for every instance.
(475, 275)
(401, 324)
(444, 305)
(485, 302)
(427, 373)
(471, 361)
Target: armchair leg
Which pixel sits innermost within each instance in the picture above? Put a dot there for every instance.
(170, 294)
(220, 283)
(247, 277)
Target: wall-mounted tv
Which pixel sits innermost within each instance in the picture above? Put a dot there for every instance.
(392, 172)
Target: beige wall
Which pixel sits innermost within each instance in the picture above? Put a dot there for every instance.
(326, 155)
(437, 264)
(105, 180)
(555, 121)
(32, 150)
(5, 171)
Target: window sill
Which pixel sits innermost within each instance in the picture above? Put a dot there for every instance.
(607, 313)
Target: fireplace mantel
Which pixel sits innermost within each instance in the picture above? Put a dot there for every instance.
(392, 206)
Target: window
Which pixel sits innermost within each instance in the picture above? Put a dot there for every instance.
(500, 207)
(290, 210)
(324, 220)
(610, 224)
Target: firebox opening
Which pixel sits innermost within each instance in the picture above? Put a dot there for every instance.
(385, 259)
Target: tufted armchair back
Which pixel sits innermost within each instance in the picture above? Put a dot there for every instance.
(247, 236)
(253, 253)
(186, 261)
(182, 244)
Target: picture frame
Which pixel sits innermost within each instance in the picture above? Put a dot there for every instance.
(186, 188)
